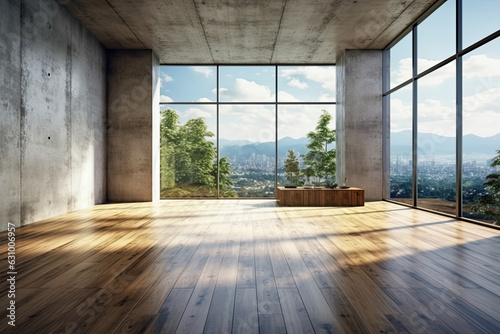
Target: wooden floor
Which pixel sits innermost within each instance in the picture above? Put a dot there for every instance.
(250, 266)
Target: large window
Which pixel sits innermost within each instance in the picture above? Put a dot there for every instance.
(445, 122)
(227, 131)
(401, 146)
(481, 128)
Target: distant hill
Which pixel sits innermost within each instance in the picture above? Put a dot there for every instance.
(401, 144)
(440, 145)
(245, 150)
(227, 142)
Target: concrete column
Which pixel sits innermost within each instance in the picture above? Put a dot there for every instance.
(10, 114)
(359, 121)
(132, 106)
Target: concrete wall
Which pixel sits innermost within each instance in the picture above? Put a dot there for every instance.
(53, 100)
(359, 121)
(133, 96)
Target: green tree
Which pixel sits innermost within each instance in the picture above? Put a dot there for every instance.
(188, 158)
(489, 203)
(225, 181)
(195, 154)
(319, 157)
(292, 167)
(169, 126)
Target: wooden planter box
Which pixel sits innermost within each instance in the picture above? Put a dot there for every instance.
(320, 197)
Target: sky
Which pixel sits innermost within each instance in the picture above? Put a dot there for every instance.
(251, 84)
(436, 91)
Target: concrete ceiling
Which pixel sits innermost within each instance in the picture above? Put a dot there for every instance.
(246, 31)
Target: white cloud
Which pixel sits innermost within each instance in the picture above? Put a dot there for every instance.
(476, 66)
(297, 121)
(485, 125)
(445, 128)
(286, 97)
(206, 71)
(297, 84)
(196, 112)
(402, 73)
(222, 90)
(165, 98)
(489, 99)
(434, 117)
(434, 109)
(401, 115)
(204, 99)
(247, 91)
(481, 115)
(481, 66)
(326, 97)
(256, 122)
(166, 78)
(324, 75)
(247, 122)
(439, 76)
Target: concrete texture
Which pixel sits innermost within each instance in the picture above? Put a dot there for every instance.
(132, 100)
(359, 121)
(55, 102)
(257, 31)
(88, 119)
(10, 115)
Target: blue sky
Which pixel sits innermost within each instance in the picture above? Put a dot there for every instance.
(436, 91)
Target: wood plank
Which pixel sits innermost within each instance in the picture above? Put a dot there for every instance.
(295, 314)
(319, 312)
(167, 319)
(246, 261)
(245, 311)
(220, 317)
(267, 293)
(195, 315)
(150, 303)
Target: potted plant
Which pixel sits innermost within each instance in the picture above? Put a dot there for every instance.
(291, 169)
(308, 173)
(330, 182)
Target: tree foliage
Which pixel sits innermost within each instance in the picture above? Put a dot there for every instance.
(292, 169)
(225, 181)
(188, 158)
(489, 203)
(319, 157)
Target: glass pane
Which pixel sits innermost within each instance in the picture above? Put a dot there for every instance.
(480, 19)
(437, 37)
(247, 84)
(481, 127)
(188, 151)
(247, 150)
(401, 61)
(306, 83)
(401, 145)
(436, 140)
(294, 123)
(188, 83)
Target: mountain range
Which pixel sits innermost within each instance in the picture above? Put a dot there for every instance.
(244, 149)
(442, 145)
(401, 144)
